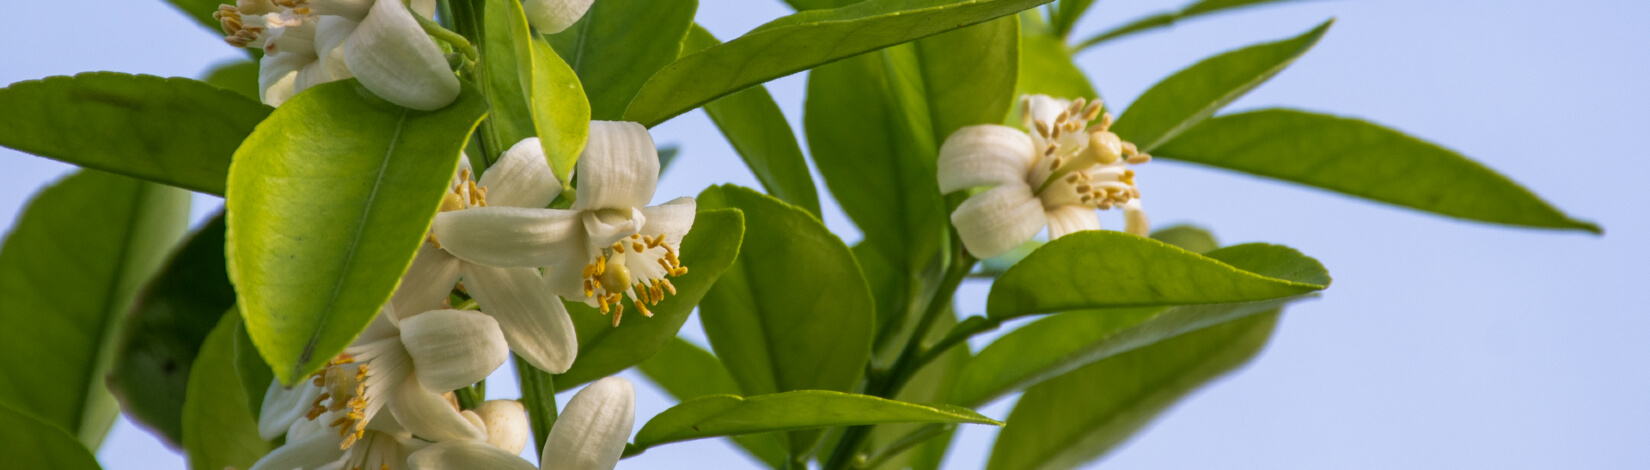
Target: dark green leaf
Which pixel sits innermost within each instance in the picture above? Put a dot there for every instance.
(1366, 160)
(667, 156)
(165, 329)
(687, 372)
(507, 58)
(931, 384)
(1191, 95)
(727, 415)
(707, 250)
(1187, 237)
(201, 11)
(752, 122)
(619, 44)
(793, 313)
(69, 272)
(328, 201)
(1045, 66)
(250, 368)
(800, 5)
(1104, 269)
(219, 430)
(808, 39)
(173, 131)
(965, 75)
(1066, 14)
(240, 76)
(1077, 417)
(1160, 20)
(28, 442)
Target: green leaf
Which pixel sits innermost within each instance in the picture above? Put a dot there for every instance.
(1066, 14)
(1161, 20)
(753, 123)
(1187, 237)
(1104, 269)
(1045, 66)
(1193, 94)
(560, 112)
(727, 415)
(532, 91)
(1077, 417)
(69, 271)
(201, 11)
(687, 372)
(1366, 160)
(931, 384)
(28, 442)
(239, 76)
(618, 44)
(808, 39)
(250, 367)
(793, 313)
(172, 131)
(708, 250)
(964, 75)
(165, 329)
(219, 430)
(800, 5)
(1060, 343)
(328, 201)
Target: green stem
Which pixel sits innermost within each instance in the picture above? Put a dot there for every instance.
(538, 394)
(467, 20)
(468, 399)
(458, 41)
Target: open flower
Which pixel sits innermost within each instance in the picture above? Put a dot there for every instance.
(405, 365)
(607, 246)
(535, 322)
(553, 16)
(589, 435)
(310, 42)
(1054, 176)
(311, 445)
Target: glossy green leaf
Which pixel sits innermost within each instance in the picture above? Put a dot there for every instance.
(1193, 94)
(727, 415)
(239, 76)
(28, 442)
(1137, 272)
(931, 384)
(687, 372)
(506, 76)
(1078, 417)
(220, 431)
(709, 248)
(618, 44)
(165, 329)
(1060, 343)
(1366, 160)
(69, 272)
(964, 75)
(793, 313)
(753, 123)
(560, 112)
(1166, 19)
(328, 201)
(808, 39)
(1045, 66)
(173, 131)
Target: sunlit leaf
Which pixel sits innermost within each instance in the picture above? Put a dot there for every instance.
(726, 415)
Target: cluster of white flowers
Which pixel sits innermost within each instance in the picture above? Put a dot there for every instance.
(494, 235)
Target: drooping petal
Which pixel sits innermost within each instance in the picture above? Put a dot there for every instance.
(453, 348)
(1071, 218)
(466, 455)
(427, 282)
(353, 10)
(553, 16)
(426, 414)
(619, 168)
(278, 75)
(984, 155)
(995, 221)
(506, 423)
(592, 430)
(314, 452)
(521, 178)
(534, 321)
(1134, 219)
(603, 227)
(393, 57)
(331, 32)
(672, 219)
(283, 406)
(513, 236)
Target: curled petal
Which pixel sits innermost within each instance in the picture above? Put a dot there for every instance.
(278, 76)
(453, 348)
(995, 221)
(513, 236)
(353, 10)
(427, 282)
(427, 415)
(506, 423)
(393, 57)
(521, 178)
(315, 452)
(534, 321)
(1067, 219)
(619, 168)
(553, 16)
(672, 219)
(466, 455)
(283, 406)
(603, 227)
(984, 155)
(1134, 219)
(592, 430)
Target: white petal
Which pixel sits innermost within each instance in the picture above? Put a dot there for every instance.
(1134, 218)
(521, 178)
(451, 349)
(1044, 108)
(354, 10)
(277, 75)
(534, 321)
(429, 416)
(306, 454)
(465, 455)
(284, 406)
(425, 8)
(393, 57)
(331, 32)
(427, 282)
(506, 422)
(1067, 219)
(474, 420)
(604, 227)
(593, 428)
(553, 16)
(672, 219)
(995, 221)
(619, 168)
(383, 325)
(984, 155)
(513, 236)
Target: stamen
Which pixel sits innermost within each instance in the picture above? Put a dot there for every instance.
(637, 246)
(1092, 111)
(617, 247)
(668, 286)
(1042, 128)
(1139, 159)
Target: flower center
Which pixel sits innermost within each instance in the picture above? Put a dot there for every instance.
(344, 386)
(1082, 164)
(637, 267)
(465, 195)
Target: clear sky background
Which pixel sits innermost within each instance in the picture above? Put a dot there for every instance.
(1442, 344)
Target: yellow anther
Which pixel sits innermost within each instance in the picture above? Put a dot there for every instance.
(1042, 128)
(601, 303)
(618, 247)
(589, 289)
(636, 246)
(635, 236)
(618, 313)
(668, 286)
(643, 308)
(589, 270)
(601, 264)
(654, 243)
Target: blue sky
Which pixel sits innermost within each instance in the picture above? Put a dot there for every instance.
(1442, 344)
